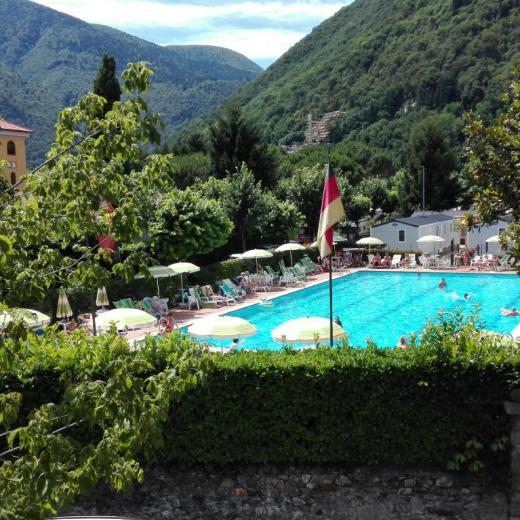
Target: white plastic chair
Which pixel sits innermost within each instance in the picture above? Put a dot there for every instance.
(396, 260)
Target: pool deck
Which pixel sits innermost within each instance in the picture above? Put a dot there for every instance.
(184, 317)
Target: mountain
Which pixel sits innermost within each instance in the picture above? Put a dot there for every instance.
(388, 64)
(48, 60)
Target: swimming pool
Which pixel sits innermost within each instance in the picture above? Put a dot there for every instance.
(386, 305)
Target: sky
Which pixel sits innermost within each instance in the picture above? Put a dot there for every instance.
(261, 30)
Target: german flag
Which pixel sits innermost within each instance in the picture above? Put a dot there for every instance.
(332, 211)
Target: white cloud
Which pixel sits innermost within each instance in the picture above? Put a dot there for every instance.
(258, 29)
(151, 13)
(256, 44)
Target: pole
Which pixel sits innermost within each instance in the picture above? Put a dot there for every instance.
(330, 301)
(423, 183)
(93, 310)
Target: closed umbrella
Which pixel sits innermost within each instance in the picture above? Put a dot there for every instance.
(369, 241)
(159, 271)
(102, 297)
(32, 318)
(125, 319)
(181, 268)
(222, 327)
(290, 246)
(256, 254)
(64, 310)
(307, 330)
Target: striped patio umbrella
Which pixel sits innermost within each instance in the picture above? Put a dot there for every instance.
(222, 327)
(32, 318)
(64, 310)
(307, 330)
(125, 319)
(102, 297)
(290, 246)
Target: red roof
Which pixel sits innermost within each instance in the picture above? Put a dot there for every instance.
(10, 127)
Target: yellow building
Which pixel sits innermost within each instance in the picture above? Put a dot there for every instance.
(12, 150)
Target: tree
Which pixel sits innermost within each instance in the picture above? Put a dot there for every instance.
(185, 225)
(494, 165)
(235, 140)
(378, 192)
(357, 206)
(430, 149)
(106, 83)
(102, 425)
(254, 212)
(305, 189)
(53, 227)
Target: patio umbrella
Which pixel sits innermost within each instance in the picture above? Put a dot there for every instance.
(307, 330)
(125, 319)
(33, 319)
(495, 239)
(369, 241)
(222, 327)
(159, 271)
(102, 297)
(64, 310)
(290, 246)
(256, 254)
(430, 239)
(184, 268)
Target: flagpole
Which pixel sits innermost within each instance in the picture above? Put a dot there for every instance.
(330, 271)
(330, 300)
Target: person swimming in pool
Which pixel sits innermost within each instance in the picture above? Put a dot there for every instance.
(467, 296)
(402, 342)
(443, 284)
(509, 312)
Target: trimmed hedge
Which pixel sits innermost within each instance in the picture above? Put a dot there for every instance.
(372, 406)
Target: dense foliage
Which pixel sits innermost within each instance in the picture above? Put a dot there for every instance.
(106, 83)
(389, 64)
(494, 166)
(48, 60)
(96, 408)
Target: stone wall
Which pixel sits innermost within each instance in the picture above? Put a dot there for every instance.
(307, 493)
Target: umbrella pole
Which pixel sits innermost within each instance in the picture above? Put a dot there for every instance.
(256, 260)
(290, 252)
(158, 292)
(93, 311)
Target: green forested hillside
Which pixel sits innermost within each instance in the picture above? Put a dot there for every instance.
(389, 64)
(48, 60)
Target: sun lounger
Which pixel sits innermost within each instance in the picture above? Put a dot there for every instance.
(202, 301)
(207, 291)
(396, 260)
(126, 303)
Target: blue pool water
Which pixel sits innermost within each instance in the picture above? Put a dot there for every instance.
(386, 305)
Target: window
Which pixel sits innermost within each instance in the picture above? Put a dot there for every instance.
(13, 178)
(11, 148)
(402, 235)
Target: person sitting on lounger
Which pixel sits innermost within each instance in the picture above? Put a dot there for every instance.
(509, 312)
(405, 262)
(387, 261)
(376, 261)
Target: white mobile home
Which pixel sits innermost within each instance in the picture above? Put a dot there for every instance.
(403, 233)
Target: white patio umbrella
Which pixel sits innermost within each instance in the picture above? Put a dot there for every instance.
(32, 318)
(181, 268)
(125, 319)
(102, 297)
(495, 239)
(290, 246)
(430, 239)
(222, 327)
(159, 271)
(307, 330)
(369, 241)
(256, 254)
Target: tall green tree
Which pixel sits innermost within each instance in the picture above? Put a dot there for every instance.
(235, 140)
(494, 165)
(184, 225)
(53, 229)
(106, 83)
(431, 151)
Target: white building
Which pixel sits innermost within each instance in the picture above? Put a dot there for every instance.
(403, 233)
